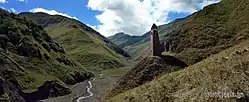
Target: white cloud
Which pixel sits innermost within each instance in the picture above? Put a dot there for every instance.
(52, 12)
(12, 10)
(3, 1)
(2, 7)
(93, 27)
(136, 16)
(208, 2)
(26, 1)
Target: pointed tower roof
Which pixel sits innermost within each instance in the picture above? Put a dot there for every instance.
(154, 26)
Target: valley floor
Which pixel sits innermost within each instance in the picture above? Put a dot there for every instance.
(100, 86)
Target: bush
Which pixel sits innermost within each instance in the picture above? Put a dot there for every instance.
(46, 46)
(29, 50)
(46, 56)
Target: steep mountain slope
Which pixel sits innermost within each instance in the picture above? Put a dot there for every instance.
(123, 40)
(35, 67)
(139, 46)
(221, 31)
(87, 46)
(209, 31)
(221, 77)
(146, 70)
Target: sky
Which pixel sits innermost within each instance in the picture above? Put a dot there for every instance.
(133, 17)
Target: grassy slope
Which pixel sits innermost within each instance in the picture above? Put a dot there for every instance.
(224, 72)
(34, 57)
(85, 45)
(123, 40)
(209, 31)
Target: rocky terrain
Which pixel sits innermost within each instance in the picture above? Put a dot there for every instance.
(99, 88)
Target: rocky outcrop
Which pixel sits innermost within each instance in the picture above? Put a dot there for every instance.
(75, 77)
(3, 41)
(10, 86)
(1, 86)
(48, 90)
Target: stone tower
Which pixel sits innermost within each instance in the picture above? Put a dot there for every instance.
(155, 43)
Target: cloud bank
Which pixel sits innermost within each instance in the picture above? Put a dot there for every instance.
(3, 1)
(13, 10)
(136, 16)
(52, 12)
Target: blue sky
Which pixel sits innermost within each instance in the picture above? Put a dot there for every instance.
(77, 8)
(112, 16)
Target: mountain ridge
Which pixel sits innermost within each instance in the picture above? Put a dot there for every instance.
(86, 45)
(34, 64)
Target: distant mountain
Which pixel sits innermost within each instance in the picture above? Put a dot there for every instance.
(87, 46)
(36, 66)
(123, 40)
(139, 46)
(214, 42)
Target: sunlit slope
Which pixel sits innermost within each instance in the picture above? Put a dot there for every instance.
(87, 46)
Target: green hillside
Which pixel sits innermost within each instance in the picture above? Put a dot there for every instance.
(35, 64)
(87, 46)
(123, 40)
(211, 30)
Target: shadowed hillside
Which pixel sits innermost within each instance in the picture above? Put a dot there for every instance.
(145, 71)
(34, 61)
(87, 46)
